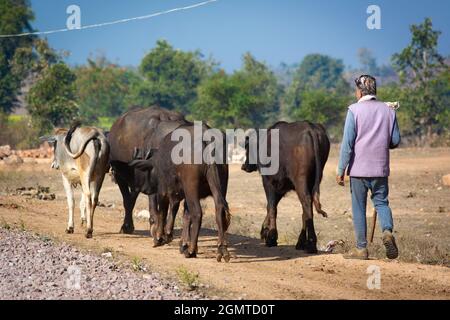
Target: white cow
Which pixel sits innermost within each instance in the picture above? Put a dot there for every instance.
(82, 155)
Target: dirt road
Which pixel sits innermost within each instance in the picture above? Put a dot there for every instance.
(269, 273)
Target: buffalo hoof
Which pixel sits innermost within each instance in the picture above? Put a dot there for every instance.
(168, 238)
(127, 228)
(307, 246)
(183, 248)
(158, 242)
(311, 248)
(88, 234)
(300, 246)
(189, 255)
(272, 237)
(83, 222)
(301, 243)
(69, 230)
(222, 252)
(264, 233)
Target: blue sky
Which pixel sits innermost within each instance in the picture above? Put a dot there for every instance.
(273, 30)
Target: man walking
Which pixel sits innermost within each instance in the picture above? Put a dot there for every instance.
(371, 129)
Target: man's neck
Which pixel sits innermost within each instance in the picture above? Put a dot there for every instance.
(367, 98)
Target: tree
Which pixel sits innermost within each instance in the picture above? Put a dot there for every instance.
(15, 17)
(319, 93)
(102, 89)
(52, 99)
(368, 61)
(247, 98)
(322, 106)
(425, 77)
(172, 77)
(321, 72)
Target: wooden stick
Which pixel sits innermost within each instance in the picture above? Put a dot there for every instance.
(374, 223)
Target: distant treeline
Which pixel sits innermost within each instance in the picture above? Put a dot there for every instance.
(318, 88)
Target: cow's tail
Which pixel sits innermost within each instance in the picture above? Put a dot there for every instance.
(318, 175)
(101, 150)
(69, 134)
(212, 175)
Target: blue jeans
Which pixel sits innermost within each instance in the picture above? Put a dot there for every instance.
(379, 194)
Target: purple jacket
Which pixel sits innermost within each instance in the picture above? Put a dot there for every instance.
(374, 124)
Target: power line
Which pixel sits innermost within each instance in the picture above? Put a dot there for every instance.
(98, 25)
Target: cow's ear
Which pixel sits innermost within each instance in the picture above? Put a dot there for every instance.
(141, 164)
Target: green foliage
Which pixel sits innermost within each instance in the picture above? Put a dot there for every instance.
(171, 77)
(137, 264)
(322, 106)
(105, 122)
(425, 80)
(52, 99)
(420, 61)
(15, 17)
(248, 97)
(102, 89)
(187, 278)
(319, 93)
(321, 72)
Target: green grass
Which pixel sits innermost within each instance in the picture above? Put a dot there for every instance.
(136, 264)
(187, 278)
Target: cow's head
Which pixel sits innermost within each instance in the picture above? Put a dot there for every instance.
(57, 142)
(145, 173)
(247, 166)
(144, 168)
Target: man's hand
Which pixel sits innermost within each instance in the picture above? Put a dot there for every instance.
(340, 180)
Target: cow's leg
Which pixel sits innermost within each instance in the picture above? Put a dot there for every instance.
(269, 231)
(265, 227)
(223, 221)
(82, 210)
(307, 239)
(163, 205)
(129, 200)
(94, 187)
(185, 231)
(70, 202)
(195, 216)
(301, 242)
(153, 210)
(174, 205)
(87, 193)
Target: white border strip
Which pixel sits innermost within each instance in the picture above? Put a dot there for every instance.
(98, 25)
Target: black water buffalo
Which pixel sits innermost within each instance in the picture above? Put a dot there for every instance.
(173, 182)
(303, 152)
(142, 128)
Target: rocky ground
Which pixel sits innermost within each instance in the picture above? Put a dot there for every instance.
(33, 267)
